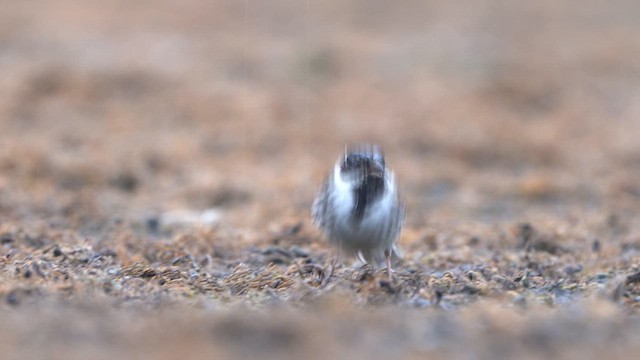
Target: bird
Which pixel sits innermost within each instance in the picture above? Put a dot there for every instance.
(358, 208)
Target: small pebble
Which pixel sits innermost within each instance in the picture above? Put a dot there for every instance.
(6, 238)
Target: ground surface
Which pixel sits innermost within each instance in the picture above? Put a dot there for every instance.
(158, 159)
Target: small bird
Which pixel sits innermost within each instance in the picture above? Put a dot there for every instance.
(358, 208)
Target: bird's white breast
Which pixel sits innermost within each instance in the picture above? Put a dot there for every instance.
(369, 230)
(343, 195)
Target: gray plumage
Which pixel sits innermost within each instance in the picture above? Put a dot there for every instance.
(358, 208)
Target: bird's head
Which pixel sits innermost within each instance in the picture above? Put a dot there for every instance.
(362, 164)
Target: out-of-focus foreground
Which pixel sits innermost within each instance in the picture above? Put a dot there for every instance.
(158, 159)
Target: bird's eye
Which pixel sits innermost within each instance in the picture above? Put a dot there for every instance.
(349, 162)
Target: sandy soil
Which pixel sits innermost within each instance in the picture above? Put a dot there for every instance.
(158, 160)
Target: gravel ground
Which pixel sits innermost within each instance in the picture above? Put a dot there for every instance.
(158, 160)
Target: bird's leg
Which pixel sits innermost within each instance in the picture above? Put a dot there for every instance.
(387, 254)
(336, 258)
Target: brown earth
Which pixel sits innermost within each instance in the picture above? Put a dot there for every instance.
(158, 160)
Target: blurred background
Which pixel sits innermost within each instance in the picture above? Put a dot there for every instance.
(150, 131)
(482, 108)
